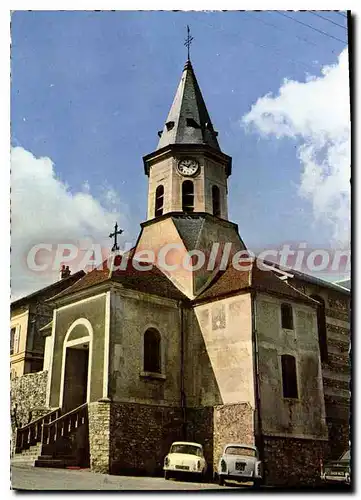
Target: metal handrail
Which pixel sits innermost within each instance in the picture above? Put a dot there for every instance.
(32, 432)
(64, 425)
(76, 410)
(34, 422)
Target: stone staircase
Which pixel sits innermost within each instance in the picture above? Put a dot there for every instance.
(53, 440)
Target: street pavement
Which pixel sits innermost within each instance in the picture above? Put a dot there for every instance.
(25, 477)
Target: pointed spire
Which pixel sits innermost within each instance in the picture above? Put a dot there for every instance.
(188, 121)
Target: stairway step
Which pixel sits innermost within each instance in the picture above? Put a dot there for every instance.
(20, 459)
(53, 462)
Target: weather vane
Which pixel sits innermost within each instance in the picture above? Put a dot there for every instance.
(188, 40)
(114, 235)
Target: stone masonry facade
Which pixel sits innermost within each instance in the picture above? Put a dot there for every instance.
(292, 462)
(27, 398)
(233, 423)
(131, 438)
(99, 436)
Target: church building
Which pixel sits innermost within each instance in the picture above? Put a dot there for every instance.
(177, 340)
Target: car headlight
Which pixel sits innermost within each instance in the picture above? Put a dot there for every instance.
(198, 464)
(223, 465)
(166, 461)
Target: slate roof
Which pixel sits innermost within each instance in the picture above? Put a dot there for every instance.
(188, 120)
(189, 229)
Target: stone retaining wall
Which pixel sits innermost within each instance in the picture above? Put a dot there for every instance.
(27, 398)
(130, 438)
(200, 428)
(233, 423)
(99, 436)
(293, 462)
(141, 436)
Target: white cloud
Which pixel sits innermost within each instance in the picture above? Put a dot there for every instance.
(44, 210)
(316, 113)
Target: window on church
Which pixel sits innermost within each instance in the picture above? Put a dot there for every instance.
(12, 340)
(159, 201)
(152, 354)
(216, 201)
(287, 316)
(289, 376)
(321, 327)
(188, 196)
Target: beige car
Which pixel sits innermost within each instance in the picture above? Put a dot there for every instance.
(240, 462)
(185, 457)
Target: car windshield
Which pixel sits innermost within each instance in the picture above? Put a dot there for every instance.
(346, 455)
(188, 449)
(240, 450)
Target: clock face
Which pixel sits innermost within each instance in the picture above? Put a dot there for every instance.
(188, 166)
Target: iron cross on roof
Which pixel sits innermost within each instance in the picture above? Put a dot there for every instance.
(188, 40)
(114, 235)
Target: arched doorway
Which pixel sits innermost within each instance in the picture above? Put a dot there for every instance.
(76, 365)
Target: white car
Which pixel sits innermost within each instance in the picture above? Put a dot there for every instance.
(185, 457)
(240, 462)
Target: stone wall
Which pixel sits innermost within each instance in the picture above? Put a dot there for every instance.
(233, 423)
(130, 438)
(339, 436)
(141, 436)
(200, 428)
(99, 432)
(27, 398)
(292, 462)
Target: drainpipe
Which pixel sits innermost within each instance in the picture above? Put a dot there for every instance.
(182, 393)
(259, 434)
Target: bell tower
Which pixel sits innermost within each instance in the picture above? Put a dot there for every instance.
(187, 192)
(188, 172)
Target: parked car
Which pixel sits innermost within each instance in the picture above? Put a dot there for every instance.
(337, 471)
(185, 457)
(240, 462)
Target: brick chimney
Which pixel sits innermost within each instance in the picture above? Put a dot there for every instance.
(64, 272)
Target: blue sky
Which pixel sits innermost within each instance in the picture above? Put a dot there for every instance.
(90, 90)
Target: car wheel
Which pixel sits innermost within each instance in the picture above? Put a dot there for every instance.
(166, 474)
(220, 480)
(257, 483)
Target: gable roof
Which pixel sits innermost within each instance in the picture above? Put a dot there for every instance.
(233, 280)
(337, 285)
(151, 281)
(50, 290)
